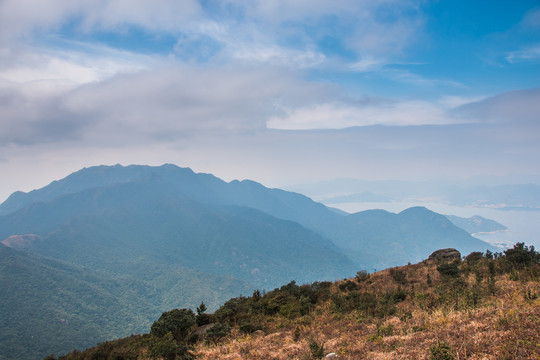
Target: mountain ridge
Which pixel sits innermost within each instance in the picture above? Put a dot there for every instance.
(174, 235)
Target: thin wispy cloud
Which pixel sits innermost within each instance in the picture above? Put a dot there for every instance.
(531, 53)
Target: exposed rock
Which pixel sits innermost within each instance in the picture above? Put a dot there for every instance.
(21, 242)
(331, 356)
(445, 255)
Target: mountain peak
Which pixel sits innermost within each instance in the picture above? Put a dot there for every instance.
(416, 210)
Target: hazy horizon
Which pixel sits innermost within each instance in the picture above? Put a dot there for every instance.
(279, 92)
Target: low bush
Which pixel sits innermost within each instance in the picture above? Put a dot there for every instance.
(450, 270)
(441, 351)
(316, 349)
(218, 332)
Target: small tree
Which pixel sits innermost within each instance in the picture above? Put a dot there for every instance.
(521, 255)
(202, 318)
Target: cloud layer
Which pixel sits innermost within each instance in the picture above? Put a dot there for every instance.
(276, 91)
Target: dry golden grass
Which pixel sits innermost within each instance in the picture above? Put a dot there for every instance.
(481, 313)
(504, 325)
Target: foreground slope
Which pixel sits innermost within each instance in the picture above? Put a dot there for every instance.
(483, 307)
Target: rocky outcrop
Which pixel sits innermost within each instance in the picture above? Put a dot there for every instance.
(21, 242)
(445, 255)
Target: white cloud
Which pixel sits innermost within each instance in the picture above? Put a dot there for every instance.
(368, 63)
(517, 107)
(167, 103)
(531, 53)
(531, 20)
(343, 115)
(73, 62)
(412, 78)
(453, 101)
(22, 17)
(161, 15)
(259, 31)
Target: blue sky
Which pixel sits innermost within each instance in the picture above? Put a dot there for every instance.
(275, 91)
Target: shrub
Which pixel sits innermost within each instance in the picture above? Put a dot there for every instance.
(450, 270)
(399, 295)
(399, 276)
(362, 275)
(163, 347)
(366, 302)
(441, 351)
(217, 332)
(385, 306)
(385, 330)
(521, 255)
(530, 295)
(233, 309)
(316, 349)
(124, 354)
(474, 257)
(177, 322)
(248, 327)
(348, 285)
(321, 289)
(296, 333)
(291, 309)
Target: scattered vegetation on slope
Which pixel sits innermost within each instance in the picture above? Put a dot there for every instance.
(485, 306)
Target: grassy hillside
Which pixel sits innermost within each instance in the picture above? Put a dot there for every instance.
(486, 306)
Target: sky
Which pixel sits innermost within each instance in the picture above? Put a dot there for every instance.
(280, 92)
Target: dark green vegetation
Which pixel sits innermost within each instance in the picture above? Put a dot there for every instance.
(44, 301)
(49, 306)
(148, 239)
(176, 334)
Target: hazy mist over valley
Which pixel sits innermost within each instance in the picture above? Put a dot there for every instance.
(210, 175)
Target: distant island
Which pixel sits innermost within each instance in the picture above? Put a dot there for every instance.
(477, 224)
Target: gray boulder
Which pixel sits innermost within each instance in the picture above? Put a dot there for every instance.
(445, 255)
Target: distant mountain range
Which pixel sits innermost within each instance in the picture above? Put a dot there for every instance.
(473, 192)
(107, 248)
